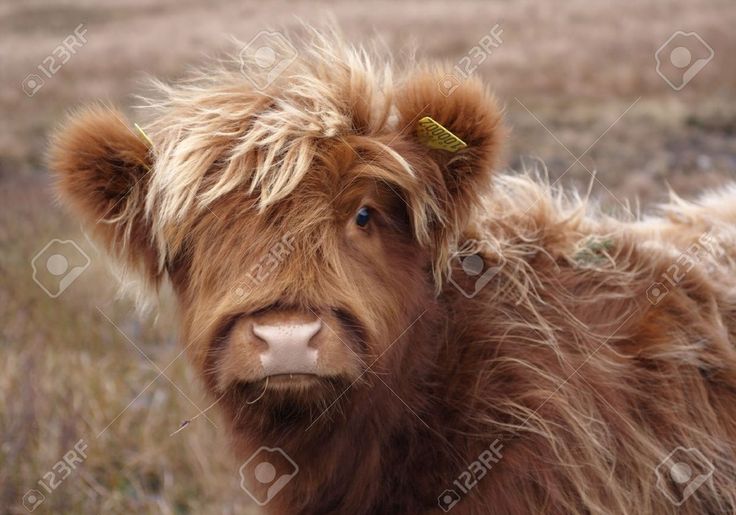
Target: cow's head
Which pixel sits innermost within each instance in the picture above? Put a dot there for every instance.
(304, 227)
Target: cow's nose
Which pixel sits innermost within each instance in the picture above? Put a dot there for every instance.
(288, 350)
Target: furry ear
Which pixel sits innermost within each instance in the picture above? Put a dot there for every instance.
(470, 112)
(101, 166)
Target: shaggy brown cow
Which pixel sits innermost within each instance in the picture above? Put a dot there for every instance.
(402, 331)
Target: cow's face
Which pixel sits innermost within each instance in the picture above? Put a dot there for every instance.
(302, 296)
(298, 262)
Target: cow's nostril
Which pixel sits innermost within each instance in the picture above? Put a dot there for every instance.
(287, 334)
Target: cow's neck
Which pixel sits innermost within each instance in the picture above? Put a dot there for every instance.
(387, 430)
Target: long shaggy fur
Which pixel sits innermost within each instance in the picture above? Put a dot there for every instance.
(587, 378)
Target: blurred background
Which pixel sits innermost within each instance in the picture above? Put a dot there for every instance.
(82, 372)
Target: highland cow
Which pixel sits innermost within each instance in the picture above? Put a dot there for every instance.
(415, 333)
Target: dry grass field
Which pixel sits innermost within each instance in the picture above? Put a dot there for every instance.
(581, 92)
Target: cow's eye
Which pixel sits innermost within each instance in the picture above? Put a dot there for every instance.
(363, 216)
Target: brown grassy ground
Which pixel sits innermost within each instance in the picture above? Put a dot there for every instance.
(565, 72)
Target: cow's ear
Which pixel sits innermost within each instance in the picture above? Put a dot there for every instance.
(470, 113)
(102, 167)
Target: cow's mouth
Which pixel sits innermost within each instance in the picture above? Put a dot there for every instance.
(291, 380)
(277, 403)
(287, 382)
(279, 386)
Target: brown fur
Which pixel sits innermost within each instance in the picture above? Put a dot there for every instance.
(560, 356)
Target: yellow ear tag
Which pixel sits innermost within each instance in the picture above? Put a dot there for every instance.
(146, 139)
(434, 135)
(144, 135)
